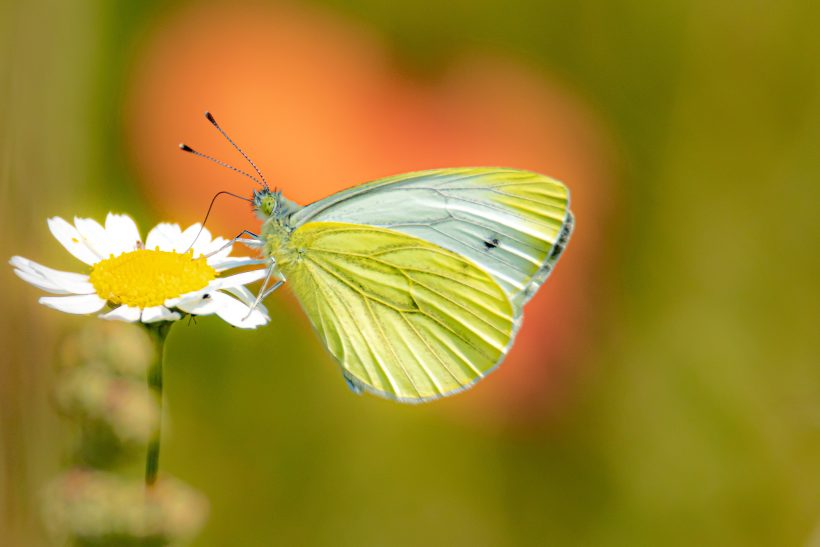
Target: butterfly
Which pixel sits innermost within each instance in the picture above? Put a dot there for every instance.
(415, 283)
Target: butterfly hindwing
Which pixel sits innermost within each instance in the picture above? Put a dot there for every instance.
(513, 224)
(405, 318)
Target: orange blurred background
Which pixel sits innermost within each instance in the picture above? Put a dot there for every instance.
(314, 99)
(665, 388)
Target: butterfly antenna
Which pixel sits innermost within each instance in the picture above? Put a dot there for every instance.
(211, 119)
(213, 200)
(185, 148)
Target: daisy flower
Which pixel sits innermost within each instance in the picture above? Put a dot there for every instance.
(159, 280)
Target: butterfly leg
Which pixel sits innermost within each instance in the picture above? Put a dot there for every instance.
(270, 291)
(264, 291)
(254, 242)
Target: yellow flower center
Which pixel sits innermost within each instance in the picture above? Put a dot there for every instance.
(145, 278)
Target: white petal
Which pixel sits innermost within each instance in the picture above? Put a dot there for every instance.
(71, 239)
(50, 280)
(220, 249)
(94, 235)
(222, 264)
(163, 237)
(235, 312)
(206, 238)
(158, 313)
(39, 282)
(25, 264)
(85, 303)
(193, 296)
(123, 313)
(122, 233)
(243, 294)
(199, 303)
(202, 244)
(239, 279)
(185, 240)
(43, 284)
(247, 297)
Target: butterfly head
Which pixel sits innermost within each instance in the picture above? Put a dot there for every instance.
(269, 203)
(265, 202)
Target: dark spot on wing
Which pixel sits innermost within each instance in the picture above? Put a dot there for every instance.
(352, 384)
(491, 243)
(562, 241)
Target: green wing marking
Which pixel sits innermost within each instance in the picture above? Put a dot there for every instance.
(405, 318)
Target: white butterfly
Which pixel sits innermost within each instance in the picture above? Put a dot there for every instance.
(416, 283)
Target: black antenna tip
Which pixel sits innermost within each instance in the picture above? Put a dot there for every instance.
(185, 148)
(210, 117)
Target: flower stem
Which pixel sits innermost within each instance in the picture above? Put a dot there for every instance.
(158, 333)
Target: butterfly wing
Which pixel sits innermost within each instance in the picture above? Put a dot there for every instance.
(405, 318)
(513, 224)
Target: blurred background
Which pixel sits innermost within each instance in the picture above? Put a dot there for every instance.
(665, 389)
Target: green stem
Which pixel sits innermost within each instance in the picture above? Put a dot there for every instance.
(158, 333)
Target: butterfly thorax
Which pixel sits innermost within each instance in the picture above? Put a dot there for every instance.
(275, 210)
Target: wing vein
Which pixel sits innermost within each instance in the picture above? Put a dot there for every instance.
(440, 360)
(389, 344)
(353, 345)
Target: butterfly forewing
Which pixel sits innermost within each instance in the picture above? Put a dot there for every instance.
(405, 318)
(513, 224)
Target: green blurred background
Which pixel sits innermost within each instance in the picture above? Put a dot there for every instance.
(692, 416)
